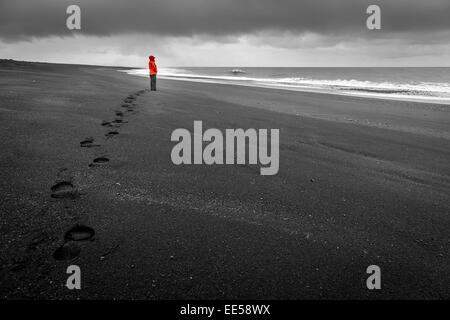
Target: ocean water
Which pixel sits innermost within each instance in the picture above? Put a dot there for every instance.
(417, 84)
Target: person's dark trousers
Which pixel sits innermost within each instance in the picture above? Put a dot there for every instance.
(153, 82)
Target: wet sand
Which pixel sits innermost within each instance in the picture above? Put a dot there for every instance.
(361, 182)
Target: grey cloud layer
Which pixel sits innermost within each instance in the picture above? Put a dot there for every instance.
(22, 19)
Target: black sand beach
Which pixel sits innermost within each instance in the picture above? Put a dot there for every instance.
(361, 182)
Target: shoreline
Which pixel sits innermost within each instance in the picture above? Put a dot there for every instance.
(355, 92)
(312, 90)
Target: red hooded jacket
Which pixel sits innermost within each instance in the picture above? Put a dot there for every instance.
(152, 65)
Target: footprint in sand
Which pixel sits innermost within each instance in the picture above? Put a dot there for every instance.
(118, 120)
(111, 133)
(69, 249)
(79, 232)
(64, 189)
(99, 161)
(88, 143)
(110, 124)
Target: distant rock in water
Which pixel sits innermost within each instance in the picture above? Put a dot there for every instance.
(237, 71)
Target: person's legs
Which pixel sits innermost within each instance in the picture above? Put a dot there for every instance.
(153, 82)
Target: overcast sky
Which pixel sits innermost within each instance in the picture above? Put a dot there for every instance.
(228, 32)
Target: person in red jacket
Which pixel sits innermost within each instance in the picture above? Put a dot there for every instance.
(153, 71)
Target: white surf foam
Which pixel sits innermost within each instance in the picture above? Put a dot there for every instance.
(417, 91)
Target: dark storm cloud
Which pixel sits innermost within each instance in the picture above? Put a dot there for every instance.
(23, 19)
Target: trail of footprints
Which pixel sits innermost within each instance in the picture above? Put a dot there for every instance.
(64, 188)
